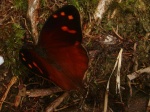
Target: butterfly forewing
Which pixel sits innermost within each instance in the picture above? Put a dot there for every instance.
(66, 25)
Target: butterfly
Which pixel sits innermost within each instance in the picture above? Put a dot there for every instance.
(59, 54)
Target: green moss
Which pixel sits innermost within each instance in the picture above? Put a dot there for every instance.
(11, 44)
(20, 4)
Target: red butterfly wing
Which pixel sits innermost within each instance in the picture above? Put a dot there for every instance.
(65, 60)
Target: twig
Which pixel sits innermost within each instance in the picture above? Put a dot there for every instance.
(66, 106)
(12, 81)
(135, 59)
(42, 92)
(98, 14)
(56, 103)
(118, 63)
(138, 73)
(101, 8)
(116, 33)
(115, 11)
(33, 6)
(25, 22)
(148, 107)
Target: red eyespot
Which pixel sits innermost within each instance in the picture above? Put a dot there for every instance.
(55, 16)
(23, 59)
(34, 64)
(70, 17)
(22, 54)
(37, 67)
(30, 66)
(72, 31)
(64, 28)
(62, 14)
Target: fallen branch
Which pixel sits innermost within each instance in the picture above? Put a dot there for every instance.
(56, 103)
(98, 14)
(43, 92)
(12, 82)
(33, 7)
(138, 73)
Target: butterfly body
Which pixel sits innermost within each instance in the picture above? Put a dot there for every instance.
(63, 58)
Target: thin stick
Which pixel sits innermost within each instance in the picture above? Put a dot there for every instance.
(137, 73)
(118, 63)
(148, 107)
(43, 92)
(56, 103)
(12, 82)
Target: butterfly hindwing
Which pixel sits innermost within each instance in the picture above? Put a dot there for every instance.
(31, 60)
